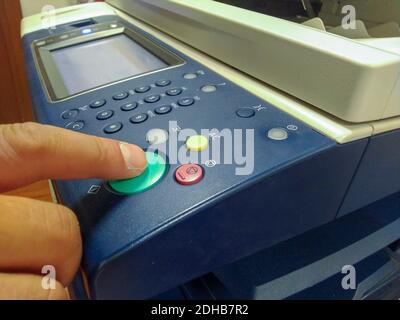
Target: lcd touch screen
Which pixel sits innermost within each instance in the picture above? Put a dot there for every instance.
(96, 63)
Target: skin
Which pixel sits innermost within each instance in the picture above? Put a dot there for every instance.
(34, 233)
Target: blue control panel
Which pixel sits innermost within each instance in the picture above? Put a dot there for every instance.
(284, 178)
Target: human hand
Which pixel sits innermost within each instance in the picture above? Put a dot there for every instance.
(34, 234)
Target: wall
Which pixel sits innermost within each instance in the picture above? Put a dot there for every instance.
(15, 105)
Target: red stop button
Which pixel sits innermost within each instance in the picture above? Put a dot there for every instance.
(189, 174)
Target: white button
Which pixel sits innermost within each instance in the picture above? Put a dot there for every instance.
(86, 31)
(190, 76)
(157, 136)
(278, 134)
(113, 25)
(209, 89)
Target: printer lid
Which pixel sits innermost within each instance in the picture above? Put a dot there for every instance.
(297, 46)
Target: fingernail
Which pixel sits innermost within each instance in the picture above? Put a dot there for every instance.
(134, 160)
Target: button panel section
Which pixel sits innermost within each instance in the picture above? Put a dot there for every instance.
(121, 96)
(104, 115)
(186, 102)
(98, 103)
(163, 110)
(155, 171)
(143, 89)
(245, 113)
(189, 174)
(70, 114)
(197, 143)
(163, 83)
(113, 128)
(278, 134)
(174, 92)
(129, 106)
(139, 118)
(157, 136)
(76, 126)
(143, 101)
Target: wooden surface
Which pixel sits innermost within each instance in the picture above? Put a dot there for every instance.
(38, 191)
(15, 105)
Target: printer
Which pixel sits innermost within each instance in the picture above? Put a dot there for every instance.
(272, 132)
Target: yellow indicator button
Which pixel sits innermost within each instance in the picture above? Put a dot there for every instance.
(197, 143)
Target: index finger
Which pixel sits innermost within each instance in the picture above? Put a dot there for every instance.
(30, 152)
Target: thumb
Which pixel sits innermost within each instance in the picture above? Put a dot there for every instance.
(30, 152)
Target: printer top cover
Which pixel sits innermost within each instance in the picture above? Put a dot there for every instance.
(303, 48)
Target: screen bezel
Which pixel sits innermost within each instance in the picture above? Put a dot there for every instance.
(52, 79)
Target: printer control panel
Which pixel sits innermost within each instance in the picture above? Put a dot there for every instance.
(229, 174)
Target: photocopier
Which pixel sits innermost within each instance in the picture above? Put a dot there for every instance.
(272, 133)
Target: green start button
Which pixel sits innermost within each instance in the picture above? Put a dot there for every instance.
(156, 169)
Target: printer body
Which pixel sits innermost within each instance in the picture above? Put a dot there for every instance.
(292, 186)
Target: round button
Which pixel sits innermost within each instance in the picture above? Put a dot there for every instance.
(197, 143)
(245, 113)
(152, 99)
(157, 136)
(139, 118)
(278, 134)
(174, 92)
(189, 174)
(105, 115)
(114, 25)
(186, 102)
(129, 106)
(190, 76)
(98, 103)
(155, 171)
(143, 89)
(113, 128)
(209, 89)
(163, 110)
(70, 114)
(121, 96)
(163, 83)
(76, 126)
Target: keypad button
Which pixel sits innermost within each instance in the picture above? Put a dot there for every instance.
(278, 134)
(186, 102)
(76, 126)
(70, 114)
(154, 173)
(143, 89)
(174, 92)
(245, 113)
(113, 128)
(163, 110)
(152, 99)
(209, 89)
(105, 115)
(197, 143)
(163, 83)
(157, 136)
(121, 96)
(129, 106)
(98, 103)
(190, 76)
(189, 174)
(139, 118)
